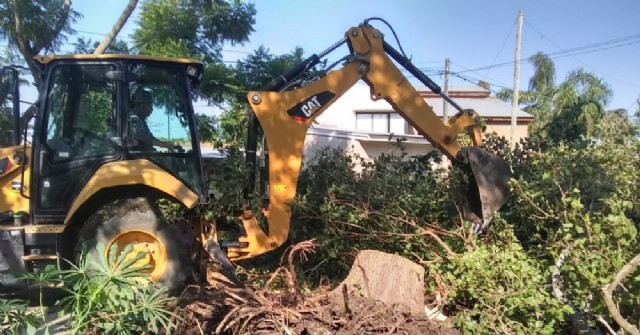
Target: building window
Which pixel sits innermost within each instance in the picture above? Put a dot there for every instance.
(380, 122)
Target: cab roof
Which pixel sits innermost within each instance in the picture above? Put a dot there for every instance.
(45, 59)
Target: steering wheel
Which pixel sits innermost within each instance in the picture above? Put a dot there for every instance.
(90, 140)
(88, 134)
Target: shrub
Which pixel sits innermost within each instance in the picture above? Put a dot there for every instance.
(16, 319)
(496, 290)
(110, 295)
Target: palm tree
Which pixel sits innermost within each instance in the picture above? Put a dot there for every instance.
(579, 106)
(538, 100)
(542, 87)
(568, 111)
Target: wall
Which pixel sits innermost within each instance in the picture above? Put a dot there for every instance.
(503, 128)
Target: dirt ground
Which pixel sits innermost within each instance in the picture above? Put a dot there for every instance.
(223, 306)
(233, 310)
(240, 311)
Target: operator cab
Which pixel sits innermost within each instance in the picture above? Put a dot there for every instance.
(96, 109)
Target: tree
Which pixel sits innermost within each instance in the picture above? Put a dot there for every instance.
(542, 87)
(6, 132)
(207, 129)
(618, 126)
(193, 29)
(197, 29)
(252, 73)
(565, 112)
(636, 115)
(36, 26)
(579, 107)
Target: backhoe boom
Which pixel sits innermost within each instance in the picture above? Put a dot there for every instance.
(284, 117)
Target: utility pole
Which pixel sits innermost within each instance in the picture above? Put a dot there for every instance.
(445, 104)
(516, 83)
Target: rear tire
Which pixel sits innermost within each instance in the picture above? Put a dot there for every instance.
(124, 218)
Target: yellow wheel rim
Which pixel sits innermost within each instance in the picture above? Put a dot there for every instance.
(147, 243)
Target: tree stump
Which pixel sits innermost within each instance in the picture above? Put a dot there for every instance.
(390, 279)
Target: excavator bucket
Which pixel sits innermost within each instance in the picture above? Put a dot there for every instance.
(488, 185)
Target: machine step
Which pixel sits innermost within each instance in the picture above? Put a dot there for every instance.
(37, 257)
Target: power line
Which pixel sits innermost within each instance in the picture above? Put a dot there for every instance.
(101, 34)
(474, 81)
(590, 48)
(427, 62)
(503, 44)
(585, 49)
(597, 45)
(466, 69)
(576, 58)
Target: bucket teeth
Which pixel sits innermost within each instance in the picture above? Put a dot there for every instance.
(225, 267)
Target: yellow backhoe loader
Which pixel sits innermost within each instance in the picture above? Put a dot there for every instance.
(114, 134)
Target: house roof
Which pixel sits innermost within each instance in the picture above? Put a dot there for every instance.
(476, 98)
(365, 136)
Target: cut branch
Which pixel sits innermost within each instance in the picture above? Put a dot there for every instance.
(608, 296)
(116, 27)
(556, 277)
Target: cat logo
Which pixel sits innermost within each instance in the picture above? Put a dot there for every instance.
(310, 106)
(307, 108)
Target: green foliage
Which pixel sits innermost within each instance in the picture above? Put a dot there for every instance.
(580, 202)
(16, 319)
(207, 127)
(84, 46)
(192, 29)
(566, 112)
(98, 105)
(6, 126)
(219, 84)
(232, 84)
(34, 26)
(500, 290)
(226, 176)
(261, 67)
(110, 295)
(45, 23)
(618, 126)
(397, 203)
(233, 125)
(6, 105)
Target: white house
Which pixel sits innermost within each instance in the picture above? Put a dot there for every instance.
(368, 128)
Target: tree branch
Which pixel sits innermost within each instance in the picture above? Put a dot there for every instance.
(66, 7)
(116, 27)
(556, 277)
(17, 22)
(608, 295)
(24, 47)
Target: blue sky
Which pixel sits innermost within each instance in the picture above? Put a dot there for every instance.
(473, 34)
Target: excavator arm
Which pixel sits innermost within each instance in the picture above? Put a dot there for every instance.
(284, 116)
